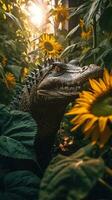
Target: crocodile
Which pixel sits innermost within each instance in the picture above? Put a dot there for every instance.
(46, 94)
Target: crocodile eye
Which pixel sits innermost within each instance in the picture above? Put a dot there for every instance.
(57, 69)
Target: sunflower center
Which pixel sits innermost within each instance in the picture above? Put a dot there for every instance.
(103, 106)
(48, 46)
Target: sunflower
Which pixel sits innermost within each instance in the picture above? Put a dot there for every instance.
(10, 80)
(60, 14)
(93, 110)
(49, 45)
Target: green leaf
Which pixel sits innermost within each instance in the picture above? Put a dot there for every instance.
(105, 44)
(80, 9)
(18, 131)
(72, 31)
(89, 54)
(69, 49)
(18, 125)
(15, 19)
(94, 6)
(71, 177)
(13, 148)
(104, 54)
(19, 185)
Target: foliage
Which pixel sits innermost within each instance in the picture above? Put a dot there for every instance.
(15, 128)
(18, 161)
(68, 177)
(20, 184)
(94, 33)
(71, 177)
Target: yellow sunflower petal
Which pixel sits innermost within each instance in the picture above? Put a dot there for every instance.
(84, 101)
(104, 137)
(77, 111)
(106, 77)
(110, 80)
(102, 123)
(89, 124)
(82, 117)
(100, 84)
(110, 117)
(95, 135)
(84, 104)
(76, 119)
(75, 127)
(103, 86)
(88, 96)
(95, 86)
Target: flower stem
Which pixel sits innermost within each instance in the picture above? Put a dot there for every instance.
(94, 37)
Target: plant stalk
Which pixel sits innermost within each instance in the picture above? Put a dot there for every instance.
(94, 37)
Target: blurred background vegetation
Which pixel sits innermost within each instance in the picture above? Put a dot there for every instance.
(91, 37)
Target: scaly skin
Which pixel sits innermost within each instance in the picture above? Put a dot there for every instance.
(46, 99)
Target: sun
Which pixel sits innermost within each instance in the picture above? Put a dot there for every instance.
(93, 110)
(36, 12)
(37, 15)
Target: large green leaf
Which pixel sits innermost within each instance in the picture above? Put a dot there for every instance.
(17, 133)
(19, 185)
(71, 178)
(18, 125)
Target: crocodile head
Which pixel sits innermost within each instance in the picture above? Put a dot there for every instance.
(65, 81)
(59, 86)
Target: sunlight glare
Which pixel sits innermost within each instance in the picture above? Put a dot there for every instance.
(36, 14)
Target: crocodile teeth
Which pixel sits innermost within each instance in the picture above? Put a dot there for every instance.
(66, 88)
